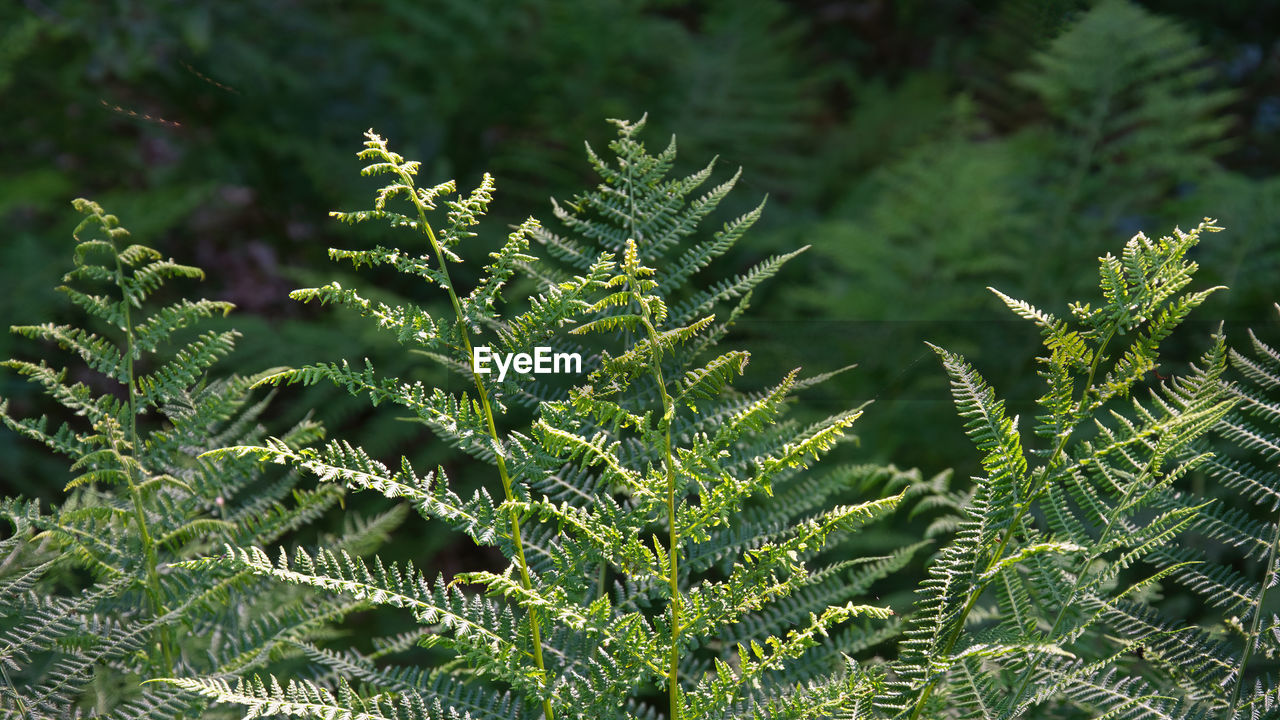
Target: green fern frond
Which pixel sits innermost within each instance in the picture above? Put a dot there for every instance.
(92, 587)
(620, 498)
(1103, 482)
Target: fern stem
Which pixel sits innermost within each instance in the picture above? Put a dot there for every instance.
(13, 693)
(673, 535)
(668, 413)
(1112, 521)
(1251, 642)
(1102, 539)
(954, 636)
(673, 677)
(523, 565)
(1087, 148)
(601, 580)
(150, 560)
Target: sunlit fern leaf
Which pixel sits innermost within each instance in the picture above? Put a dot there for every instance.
(1049, 575)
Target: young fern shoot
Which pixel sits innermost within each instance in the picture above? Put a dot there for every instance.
(634, 284)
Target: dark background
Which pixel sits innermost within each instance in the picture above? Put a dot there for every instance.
(925, 150)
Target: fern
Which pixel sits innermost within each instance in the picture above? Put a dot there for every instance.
(1134, 113)
(1061, 545)
(89, 593)
(1246, 520)
(619, 513)
(664, 532)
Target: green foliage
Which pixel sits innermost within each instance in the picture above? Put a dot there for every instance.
(90, 601)
(637, 553)
(662, 530)
(1046, 599)
(218, 129)
(1134, 116)
(1247, 520)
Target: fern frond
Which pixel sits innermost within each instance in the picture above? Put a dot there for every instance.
(93, 586)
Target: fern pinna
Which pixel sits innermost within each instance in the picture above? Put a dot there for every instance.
(90, 601)
(635, 560)
(1246, 673)
(1044, 605)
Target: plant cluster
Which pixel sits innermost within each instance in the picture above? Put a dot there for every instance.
(656, 538)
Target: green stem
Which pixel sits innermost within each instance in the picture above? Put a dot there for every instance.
(522, 564)
(601, 581)
(673, 535)
(1112, 521)
(150, 558)
(668, 414)
(13, 692)
(1251, 641)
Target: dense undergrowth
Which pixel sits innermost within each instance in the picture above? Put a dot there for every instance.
(656, 534)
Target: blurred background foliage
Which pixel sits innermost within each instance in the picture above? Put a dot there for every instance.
(924, 150)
